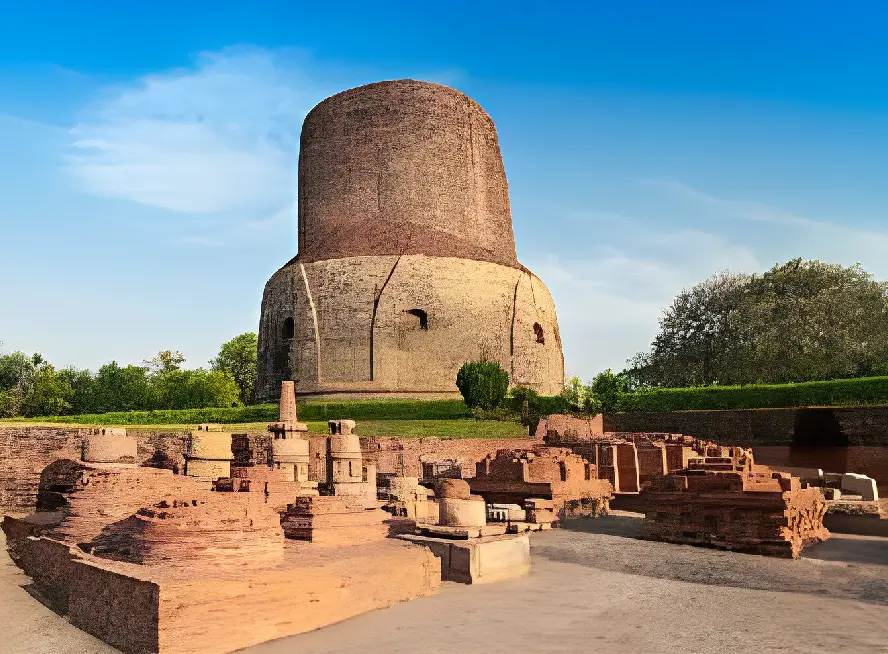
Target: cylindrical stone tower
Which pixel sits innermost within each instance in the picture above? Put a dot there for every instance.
(406, 266)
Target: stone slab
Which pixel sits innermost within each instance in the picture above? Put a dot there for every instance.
(478, 560)
(219, 609)
(860, 485)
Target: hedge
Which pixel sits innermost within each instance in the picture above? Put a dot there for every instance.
(309, 411)
(838, 392)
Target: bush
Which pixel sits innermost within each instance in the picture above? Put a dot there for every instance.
(309, 411)
(606, 392)
(838, 392)
(483, 384)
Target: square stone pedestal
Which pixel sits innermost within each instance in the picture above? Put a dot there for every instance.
(478, 560)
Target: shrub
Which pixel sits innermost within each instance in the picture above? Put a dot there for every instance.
(483, 384)
(527, 402)
(606, 392)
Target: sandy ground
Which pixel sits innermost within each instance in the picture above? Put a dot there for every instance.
(593, 588)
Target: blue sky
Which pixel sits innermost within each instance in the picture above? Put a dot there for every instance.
(147, 153)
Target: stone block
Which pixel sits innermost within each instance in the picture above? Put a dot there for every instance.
(831, 493)
(110, 446)
(860, 485)
(462, 513)
(479, 560)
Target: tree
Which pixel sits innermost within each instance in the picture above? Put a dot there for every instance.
(83, 389)
(606, 392)
(165, 361)
(528, 401)
(48, 394)
(193, 389)
(239, 358)
(122, 389)
(799, 321)
(15, 368)
(574, 394)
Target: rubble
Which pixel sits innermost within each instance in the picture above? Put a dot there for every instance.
(557, 474)
(720, 502)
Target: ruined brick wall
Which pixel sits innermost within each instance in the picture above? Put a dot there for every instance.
(406, 265)
(467, 451)
(570, 429)
(26, 451)
(745, 427)
(402, 167)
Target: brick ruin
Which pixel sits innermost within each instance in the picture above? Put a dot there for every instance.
(571, 483)
(729, 502)
(699, 492)
(405, 230)
(150, 559)
(180, 554)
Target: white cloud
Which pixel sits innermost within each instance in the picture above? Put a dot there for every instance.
(609, 302)
(835, 240)
(221, 137)
(744, 210)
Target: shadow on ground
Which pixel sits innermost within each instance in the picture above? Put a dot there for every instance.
(844, 567)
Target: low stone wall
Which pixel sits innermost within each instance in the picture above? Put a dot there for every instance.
(746, 427)
(25, 451)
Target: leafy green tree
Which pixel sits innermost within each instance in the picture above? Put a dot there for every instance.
(813, 320)
(48, 393)
(483, 384)
(799, 321)
(699, 339)
(10, 403)
(15, 369)
(530, 412)
(239, 357)
(122, 389)
(165, 361)
(606, 392)
(83, 389)
(574, 394)
(191, 389)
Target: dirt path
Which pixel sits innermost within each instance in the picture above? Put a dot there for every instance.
(592, 588)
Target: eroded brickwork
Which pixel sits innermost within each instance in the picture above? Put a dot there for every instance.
(406, 265)
(27, 451)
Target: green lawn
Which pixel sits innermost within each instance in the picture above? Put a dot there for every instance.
(459, 428)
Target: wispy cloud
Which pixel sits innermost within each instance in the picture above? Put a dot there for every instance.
(609, 301)
(220, 137)
(740, 209)
(839, 240)
(200, 241)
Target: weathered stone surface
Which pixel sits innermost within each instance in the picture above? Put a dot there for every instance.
(761, 511)
(333, 520)
(26, 451)
(478, 560)
(404, 233)
(110, 445)
(571, 482)
(860, 485)
(213, 610)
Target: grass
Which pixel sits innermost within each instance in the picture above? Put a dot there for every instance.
(459, 428)
(405, 418)
(309, 411)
